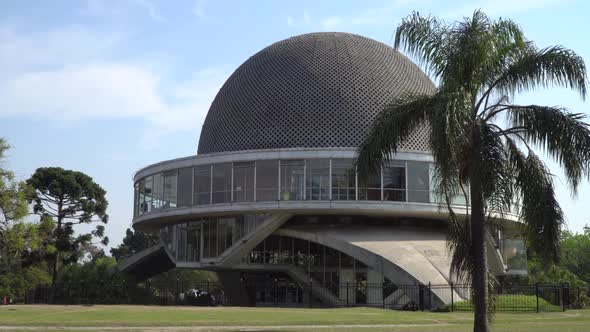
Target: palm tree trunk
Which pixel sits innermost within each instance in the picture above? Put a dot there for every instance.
(480, 276)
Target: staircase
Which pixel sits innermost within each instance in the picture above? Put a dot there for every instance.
(316, 288)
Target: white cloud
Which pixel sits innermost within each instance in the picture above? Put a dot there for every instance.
(499, 7)
(152, 10)
(305, 19)
(50, 85)
(104, 8)
(199, 9)
(331, 22)
(82, 92)
(71, 44)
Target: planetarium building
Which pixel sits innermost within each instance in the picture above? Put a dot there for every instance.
(272, 195)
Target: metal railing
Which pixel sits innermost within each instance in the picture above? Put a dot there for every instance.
(530, 298)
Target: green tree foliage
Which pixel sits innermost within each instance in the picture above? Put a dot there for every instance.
(481, 140)
(186, 277)
(101, 270)
(134, 242)
(14, 235)
(575, 253)
(21, 243)
(70, 198)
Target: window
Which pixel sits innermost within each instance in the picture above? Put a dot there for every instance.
(514, 255)
(370, 187)
(182, 237)
(210, 238)
(243, 182)
(193, 243)
(394, 181)
(157, 191)
(317, 173)
(418, 182)
(185, 187)
(267, 177)
(226, 232)
(343, 180)
(147, 194)
(222, 183)
(292, 180)
(202, 185)
(136, 199)
(169, 194)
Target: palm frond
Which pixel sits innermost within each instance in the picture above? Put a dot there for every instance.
(423, 38)
(391, 127)
(562, 135)
(552, 66)
(495, 171)
(459, 243)
(540, 212)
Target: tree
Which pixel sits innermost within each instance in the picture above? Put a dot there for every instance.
(20, 241)
(134, 242)
(70, 198)
(480, 65)
(575, 253)
(13, 208)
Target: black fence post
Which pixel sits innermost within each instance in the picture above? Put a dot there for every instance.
(537, 295)
(452, 298)
(421, 297)
(310, 292)
(383, 293)
(429, 296)
(563, 297)
(346, 285)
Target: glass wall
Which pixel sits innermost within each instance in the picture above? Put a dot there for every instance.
(418, 181)
(222, 176)
(331, 268)
(267, 180)
(394, 181)
(343, 180)
(317, 175)
(514, 255)
(292, 180)
(202, 185)
(243, 182)
(272, 180)
(370, 188)
(209, 237)
(155, 192)
(184, 187)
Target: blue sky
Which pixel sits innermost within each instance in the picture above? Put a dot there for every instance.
(106, 87)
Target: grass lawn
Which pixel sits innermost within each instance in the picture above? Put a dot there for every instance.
(512, 303)
(154, 318)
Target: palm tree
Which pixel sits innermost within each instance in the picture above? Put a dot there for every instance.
(480, 141)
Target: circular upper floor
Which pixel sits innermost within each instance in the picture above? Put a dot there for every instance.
(311, 91)
(298, 181)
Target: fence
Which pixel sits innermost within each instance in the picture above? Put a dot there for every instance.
(532, 298)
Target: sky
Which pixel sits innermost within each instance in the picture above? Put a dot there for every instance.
(109, 86)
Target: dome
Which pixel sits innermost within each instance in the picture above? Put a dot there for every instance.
(318, 90)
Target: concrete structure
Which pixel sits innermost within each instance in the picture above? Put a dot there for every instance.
(272, 193)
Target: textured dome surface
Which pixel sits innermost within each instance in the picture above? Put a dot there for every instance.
(312, 90)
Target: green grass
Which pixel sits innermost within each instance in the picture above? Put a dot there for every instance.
(150, 317)
(512, 303)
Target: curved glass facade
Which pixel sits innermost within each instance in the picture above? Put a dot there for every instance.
(207, 238)
(281, 180)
